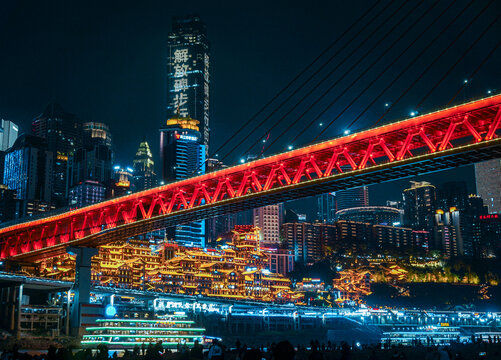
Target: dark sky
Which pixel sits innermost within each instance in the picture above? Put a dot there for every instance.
(106, 61)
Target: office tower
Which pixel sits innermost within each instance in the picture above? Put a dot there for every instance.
(268, 219)
(182, 155)
(122, 178)
(144, 168)
(488, 181)
(419, 205)
(326, 208)
(351, 198)
(8, 134)
(97, 133)
(452, 194)
(188, 72)
(90, 166)
(375, 215)
(28, 171)
(63, 134)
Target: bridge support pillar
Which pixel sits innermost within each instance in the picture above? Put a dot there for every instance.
(82, 283)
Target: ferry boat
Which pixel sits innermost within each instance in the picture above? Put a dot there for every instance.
(116, 334)
(426, 335)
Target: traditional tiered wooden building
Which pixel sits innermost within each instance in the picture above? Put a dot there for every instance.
(236, 269)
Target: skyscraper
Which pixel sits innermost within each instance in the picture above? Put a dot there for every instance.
(269, 219)
(453, 194)
(419, 205)
(63, 134)
(182, 155)
(488, 181)
(28, 171)
(326, 208)
(144, 168)
(8, 134)
(90, 166)
(351, 198)
(188, 72)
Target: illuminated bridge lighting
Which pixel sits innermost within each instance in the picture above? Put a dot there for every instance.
(447, 138)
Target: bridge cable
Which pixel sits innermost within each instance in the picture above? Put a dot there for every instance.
(327, 76)
(433, 62)
(494, 49)
(447, 73)
(284, 89)
(318, 84)
(409, 65)
(402, 35)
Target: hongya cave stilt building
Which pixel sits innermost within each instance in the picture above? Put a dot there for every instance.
(235, 270)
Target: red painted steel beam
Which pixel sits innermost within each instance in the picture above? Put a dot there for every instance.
(441, 131)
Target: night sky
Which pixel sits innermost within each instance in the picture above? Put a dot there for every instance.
(106, 61)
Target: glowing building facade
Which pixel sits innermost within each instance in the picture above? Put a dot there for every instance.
(188, 72)
(182, 154)
(144, 168)
(28, 170)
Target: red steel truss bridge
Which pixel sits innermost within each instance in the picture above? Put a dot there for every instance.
(444, 139)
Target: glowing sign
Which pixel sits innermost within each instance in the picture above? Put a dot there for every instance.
(186, 137)
(181, 84)
(110, 311)
(487, 217)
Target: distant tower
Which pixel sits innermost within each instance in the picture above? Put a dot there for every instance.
(182, 156)
(8, 134)
(488, 179)
(188, 72)
(90, 166)
(144, 168)
(326, 208)
(63, 134)
(419, 205)
(351, 198)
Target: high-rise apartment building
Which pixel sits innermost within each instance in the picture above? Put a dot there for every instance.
(8, 134)
(268, 219)
(419, 205)
(301, 240)
(28, 171)
(63, 134)
(448, 237)
(188, 72)
(144, 168)
(488, 181)
(182, 154)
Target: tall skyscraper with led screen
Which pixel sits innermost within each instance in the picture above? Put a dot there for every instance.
(188, 72)
(182, 155)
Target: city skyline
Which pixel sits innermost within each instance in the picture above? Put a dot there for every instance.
(189, 174)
